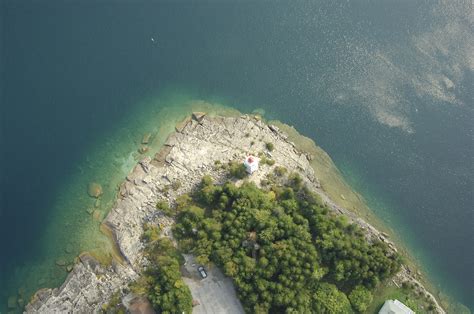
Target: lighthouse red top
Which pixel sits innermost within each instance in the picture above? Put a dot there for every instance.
(250, 160)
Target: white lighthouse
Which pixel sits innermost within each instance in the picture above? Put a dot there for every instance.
(251, 164)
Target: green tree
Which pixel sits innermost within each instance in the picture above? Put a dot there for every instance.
(329, 300)
(281, 246)
(360, 298)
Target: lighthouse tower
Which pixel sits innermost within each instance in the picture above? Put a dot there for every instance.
(251, 164)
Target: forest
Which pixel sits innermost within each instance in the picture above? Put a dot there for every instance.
(284, 249)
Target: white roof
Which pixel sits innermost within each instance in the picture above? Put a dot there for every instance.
(250, 160)
(395, 307)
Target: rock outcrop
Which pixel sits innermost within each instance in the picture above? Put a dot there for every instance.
(199, 143)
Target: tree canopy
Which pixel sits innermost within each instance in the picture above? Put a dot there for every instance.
(161, 281)
(283, 248)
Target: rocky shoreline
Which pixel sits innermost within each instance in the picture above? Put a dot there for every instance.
(188, 154)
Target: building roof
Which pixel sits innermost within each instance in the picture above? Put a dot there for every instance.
(395, 307)
(250, 160)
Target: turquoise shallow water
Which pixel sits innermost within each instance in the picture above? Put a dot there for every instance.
(381, 86)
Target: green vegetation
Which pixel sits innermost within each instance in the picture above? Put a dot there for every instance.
(176, 185)
(237, 170)
(114, 306)
(280, 171)
(165, 208)
(406, 294)
(360, 298)
(151, 233)
(269, 146)
(161, 281)
(329, 299)
(264, 160)
(283, 248)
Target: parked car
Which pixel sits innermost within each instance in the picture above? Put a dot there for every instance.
(202, 272)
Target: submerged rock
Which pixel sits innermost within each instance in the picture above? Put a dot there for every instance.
(69, 248)
(12, 302)
(146, 138)
(61, 262)
(143, 149)
(94, 190)
(448, 84)
(97, 214)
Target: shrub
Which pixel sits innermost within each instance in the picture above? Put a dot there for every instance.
(269, 146)
(237, 170)
(151, 233)
(280, 171)
(176, 185)
(295, 181)
(165, 208)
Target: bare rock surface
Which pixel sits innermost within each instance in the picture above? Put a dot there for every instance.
(188, 154)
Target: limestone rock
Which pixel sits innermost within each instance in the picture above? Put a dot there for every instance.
(198, 116)
(86, 288)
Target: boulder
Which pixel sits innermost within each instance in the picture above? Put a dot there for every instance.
(94, 190)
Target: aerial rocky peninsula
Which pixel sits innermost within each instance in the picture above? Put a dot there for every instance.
(198, 144)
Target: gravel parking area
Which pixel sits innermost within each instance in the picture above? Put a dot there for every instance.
(216, 293)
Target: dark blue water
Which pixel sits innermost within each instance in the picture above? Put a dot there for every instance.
(383, 86)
